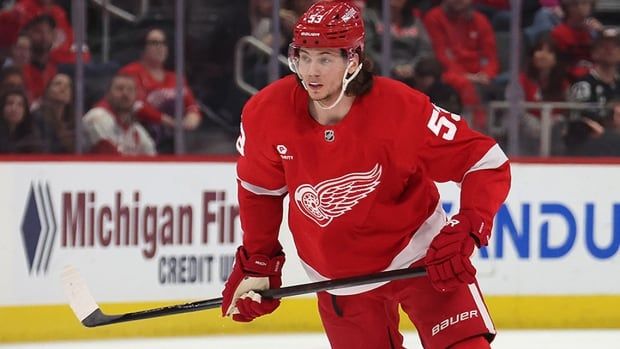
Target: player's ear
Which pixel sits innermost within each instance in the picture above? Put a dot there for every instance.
(356, 62)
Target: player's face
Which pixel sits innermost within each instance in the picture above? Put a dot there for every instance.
(322, 71)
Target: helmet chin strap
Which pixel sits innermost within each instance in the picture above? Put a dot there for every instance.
(345, 83)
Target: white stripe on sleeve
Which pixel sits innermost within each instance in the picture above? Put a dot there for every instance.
(494, 158)
(260, 190)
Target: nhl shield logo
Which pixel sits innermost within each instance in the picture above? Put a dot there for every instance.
(329, 135)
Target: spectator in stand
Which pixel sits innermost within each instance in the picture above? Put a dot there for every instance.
(54, 116)
(260, 20)
(17, 131)
(607, 143)
(260, 12)
(20, 53)
(12, 75)
(612, 132)
(41, 68)
(543, 80)
(601, 85)
(614, 107)
(15, 17)
(574, 36)
(464, 43)
(11, 78)
(259, 16)
(410, 41)
(111, 127)
(289, 14)
(261, 25)
(424, 6)
(63, 48)
(427, 78)
(545, 19)
(157, 94)
(499, 13)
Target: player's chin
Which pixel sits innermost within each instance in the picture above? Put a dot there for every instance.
(317, 97)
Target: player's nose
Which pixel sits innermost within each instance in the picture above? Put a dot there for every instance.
(314, 69)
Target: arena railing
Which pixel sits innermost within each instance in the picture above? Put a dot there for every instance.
(498, 125)
(240, 49)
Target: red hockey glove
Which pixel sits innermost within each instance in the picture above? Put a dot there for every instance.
(447, 260)
(257, 272)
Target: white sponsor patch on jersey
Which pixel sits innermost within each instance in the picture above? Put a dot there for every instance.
(334, 197)
(283, 150)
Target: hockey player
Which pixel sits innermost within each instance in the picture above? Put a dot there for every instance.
(358, 156)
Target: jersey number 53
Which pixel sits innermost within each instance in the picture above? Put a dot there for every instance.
(441, 123)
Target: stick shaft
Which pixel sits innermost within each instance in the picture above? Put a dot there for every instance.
(98, 318)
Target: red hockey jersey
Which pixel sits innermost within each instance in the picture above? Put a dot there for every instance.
(574, 45)
(158, 96)
(362, 192)
(463, 44)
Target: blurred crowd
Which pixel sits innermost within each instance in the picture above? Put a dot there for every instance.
(456, 51)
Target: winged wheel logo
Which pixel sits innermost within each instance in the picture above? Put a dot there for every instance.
(334, 197)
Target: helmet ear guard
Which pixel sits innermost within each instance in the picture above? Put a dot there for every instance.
(293, 58)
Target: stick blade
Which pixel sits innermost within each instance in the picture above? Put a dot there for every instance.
(80, 299)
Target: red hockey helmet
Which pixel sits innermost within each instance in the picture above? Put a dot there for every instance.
(330, 24)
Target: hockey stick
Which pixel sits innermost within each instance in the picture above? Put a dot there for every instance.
(89, 313)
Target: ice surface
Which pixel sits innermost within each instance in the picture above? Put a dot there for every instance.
(507, 339)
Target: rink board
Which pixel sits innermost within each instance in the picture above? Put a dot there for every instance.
(42, 323)
(149, 233)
